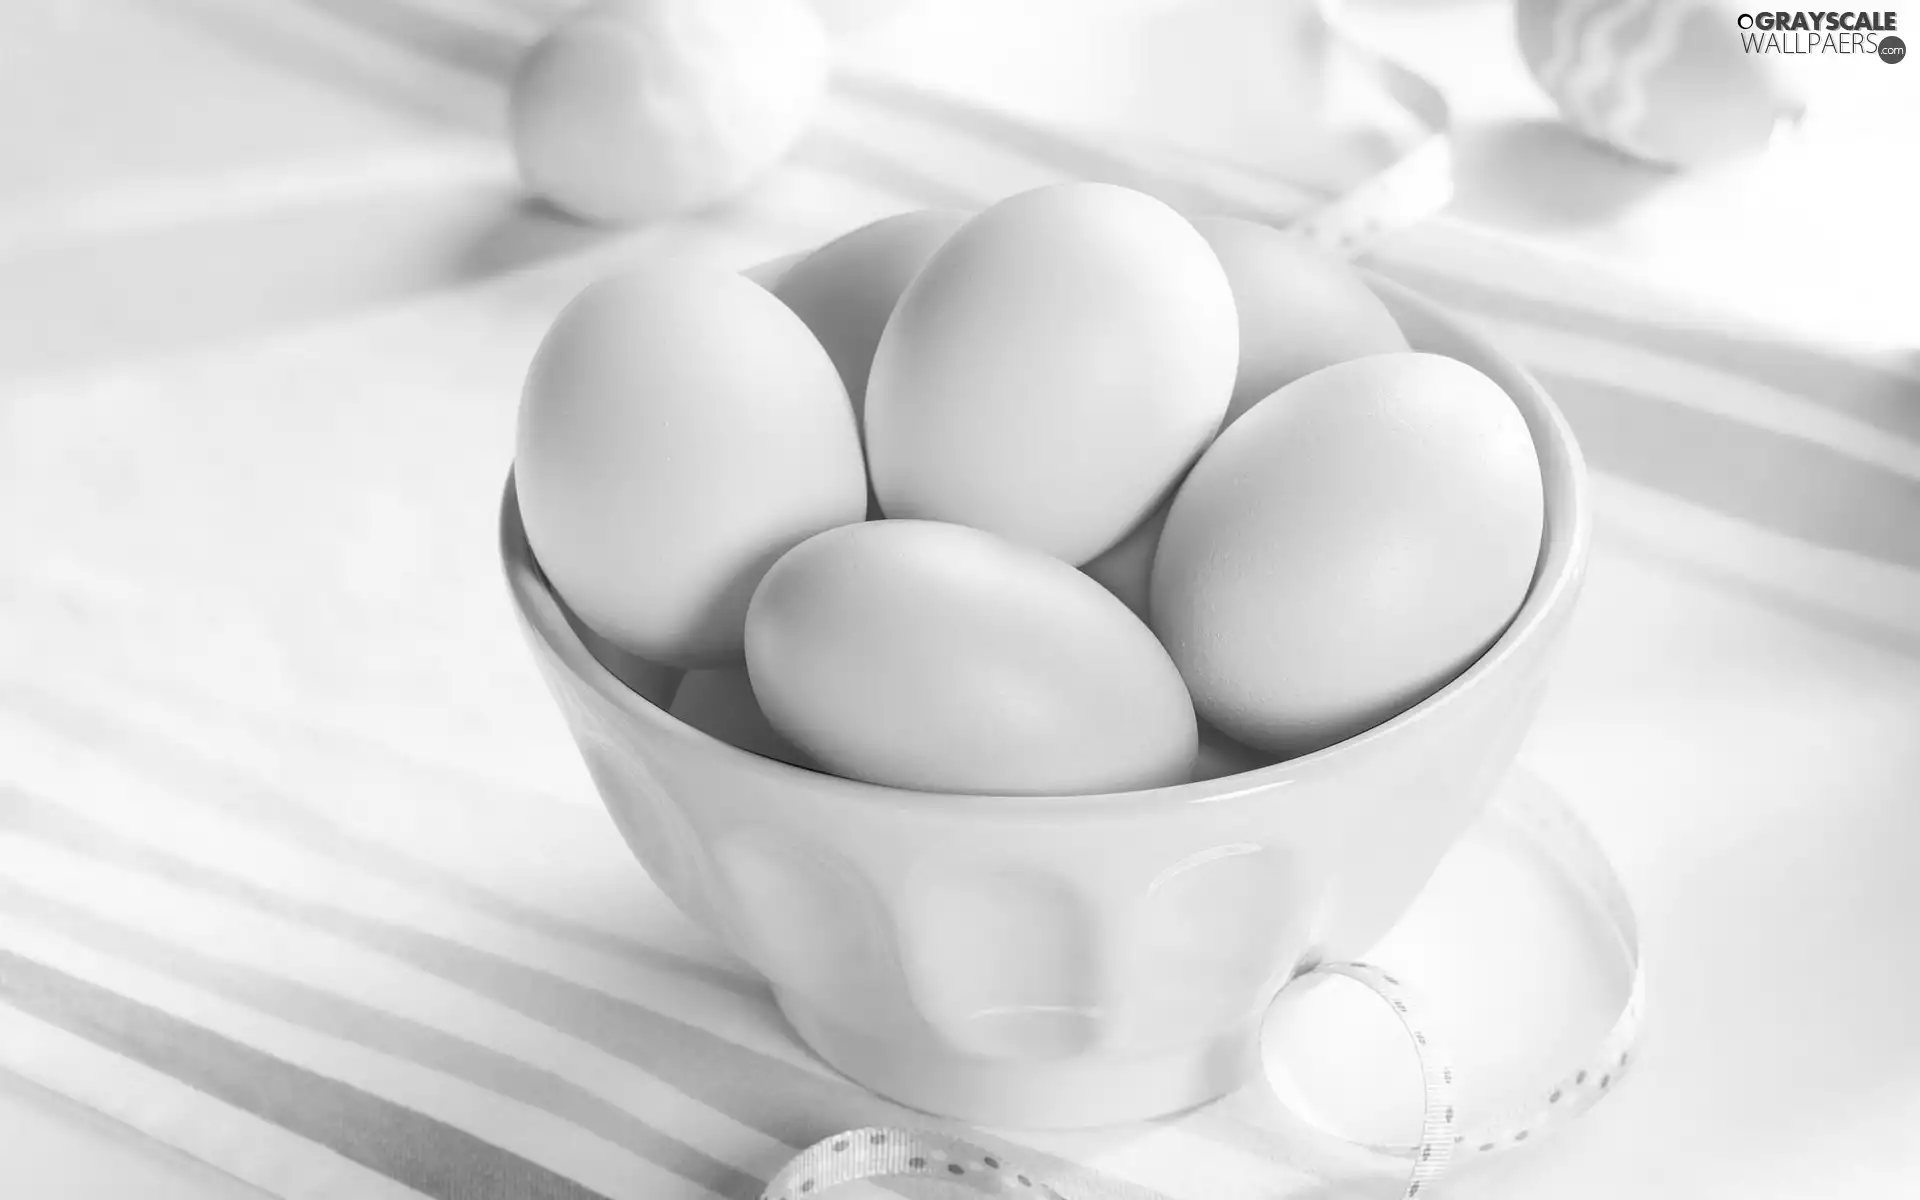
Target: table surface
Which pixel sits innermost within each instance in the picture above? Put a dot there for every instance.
(291, 839)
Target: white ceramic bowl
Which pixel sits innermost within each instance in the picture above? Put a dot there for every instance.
(1067, 961)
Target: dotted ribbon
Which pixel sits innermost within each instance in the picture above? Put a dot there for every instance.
(892, 1153)
(1415, 185)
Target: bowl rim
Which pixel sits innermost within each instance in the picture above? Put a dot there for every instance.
(1564, 550)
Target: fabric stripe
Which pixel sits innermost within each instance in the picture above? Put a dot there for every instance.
(1887, 399)
(947, 135)
(792, 1104)
(1830, 590)
(1755, 475)
(1225, 1174)
(255, 801)
(218, 749)
(1728, 397)
(231, 1140)
(798, 1107)
(113, 1144)
(841, 154)
(548, 1143)
(236, 195)
(427, 1155)
(148, 831)
(237, 936)
(349, 1020)
(277, 877)
(275, 903)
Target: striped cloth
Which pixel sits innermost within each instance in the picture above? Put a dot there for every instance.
(299, 873)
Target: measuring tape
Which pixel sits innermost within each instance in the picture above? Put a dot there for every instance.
(1413, 187)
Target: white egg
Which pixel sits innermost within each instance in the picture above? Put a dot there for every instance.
(846, 290)
(1346, 548)
(719, 702)
(1301, 308)
(631, 110)
(1673, 83)
(680, 429)
(1052, 370)
(925, 655)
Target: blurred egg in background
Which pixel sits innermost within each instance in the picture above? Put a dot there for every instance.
(631, 110)
(1666, 81)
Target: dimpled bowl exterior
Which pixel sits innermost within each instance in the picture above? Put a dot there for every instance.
(1067, 961)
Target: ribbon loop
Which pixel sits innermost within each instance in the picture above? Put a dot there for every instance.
(1438, 1116)
(875, 1153)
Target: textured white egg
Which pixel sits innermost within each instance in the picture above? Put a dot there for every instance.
(1671, 82)
(1346, 548)
(680, 429)
(925, 655)
(846, 290)
(719, 702)
(1052, 370)
(1301, 308)
(635, 109)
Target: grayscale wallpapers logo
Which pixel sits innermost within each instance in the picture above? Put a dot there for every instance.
(1863, 33)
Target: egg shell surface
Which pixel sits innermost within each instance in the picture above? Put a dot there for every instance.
(1300, 307)
(1346, 548)
(1052, 370)
(680, 429)
(925, 655)
(846, 290)
(719, 702)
